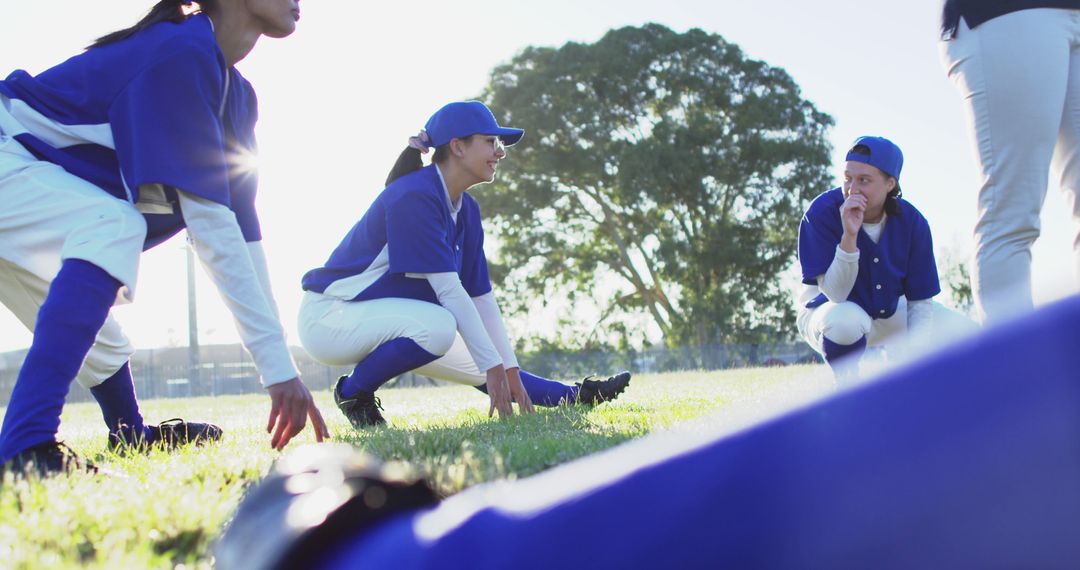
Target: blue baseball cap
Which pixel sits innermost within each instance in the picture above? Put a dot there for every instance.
(884, 155)
(465, 118)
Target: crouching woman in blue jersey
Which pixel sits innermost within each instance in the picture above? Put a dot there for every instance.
(867, 260)
(107, 153)
(411, 276)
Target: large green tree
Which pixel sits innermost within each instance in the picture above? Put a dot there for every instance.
(666, 171)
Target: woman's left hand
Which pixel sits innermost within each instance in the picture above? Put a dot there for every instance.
(517, 391)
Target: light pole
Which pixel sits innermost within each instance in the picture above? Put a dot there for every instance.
(193, 319)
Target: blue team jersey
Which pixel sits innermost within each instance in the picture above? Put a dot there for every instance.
(143, 116)
(407, 230)
(901, 263)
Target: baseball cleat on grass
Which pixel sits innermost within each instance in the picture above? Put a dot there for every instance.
(49, 458)
(168, 434)
(362, 408)
(592, 392)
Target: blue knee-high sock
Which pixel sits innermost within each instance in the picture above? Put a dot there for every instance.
(391, 358)
(74, 310)
(834, 351)
(544, 392)
(119, 406)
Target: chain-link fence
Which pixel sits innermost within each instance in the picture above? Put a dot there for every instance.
(574, 364)
(167, 373)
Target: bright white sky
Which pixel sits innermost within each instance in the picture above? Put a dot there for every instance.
(339, 98)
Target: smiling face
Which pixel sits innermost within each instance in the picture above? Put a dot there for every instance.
(870, 182)
(479, 156)
(277, 18)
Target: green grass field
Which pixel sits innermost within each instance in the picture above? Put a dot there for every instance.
(169, 508)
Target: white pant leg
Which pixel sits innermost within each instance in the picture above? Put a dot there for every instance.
(342, 333)
(48, 215)
(1013, 74)
(110, 351)
(950, 325)
(23, 293)
(457, 366)
(888, 331)
(845, 323)
(1066, 162)
(842, 323)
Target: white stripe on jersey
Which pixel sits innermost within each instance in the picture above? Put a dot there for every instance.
(349, 287)
(22, 118)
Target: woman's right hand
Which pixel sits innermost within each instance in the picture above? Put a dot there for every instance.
(851, 216)
(518, 392)
(291, 405)
(499, 391)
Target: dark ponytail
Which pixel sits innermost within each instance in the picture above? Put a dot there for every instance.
(163, 11)
(892, 201)
(409, 161)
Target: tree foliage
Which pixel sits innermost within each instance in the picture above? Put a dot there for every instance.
(956, 277)
(666, 172)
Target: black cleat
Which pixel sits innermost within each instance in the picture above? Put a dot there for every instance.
(592, 392)
(362, 408)
(49, 458)
(169, 434)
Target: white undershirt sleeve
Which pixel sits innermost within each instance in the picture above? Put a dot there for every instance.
(262, 272)
(228, 260)
(838, 280)
(492, 317)
(453, 297)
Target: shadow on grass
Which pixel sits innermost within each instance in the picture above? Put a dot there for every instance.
(470, 448)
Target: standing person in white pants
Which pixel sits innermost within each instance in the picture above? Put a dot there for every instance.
(1017, 67)
(867, 259)
(148, 121)
(412, 275)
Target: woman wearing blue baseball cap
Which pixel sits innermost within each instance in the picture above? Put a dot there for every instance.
(408, 287)
(867, 261)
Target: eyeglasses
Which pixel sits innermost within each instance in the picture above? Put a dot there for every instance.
(497, 145)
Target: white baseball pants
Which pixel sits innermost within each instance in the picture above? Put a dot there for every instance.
(845, 323)
(1019, 75)
(343, 333)
(49, 215)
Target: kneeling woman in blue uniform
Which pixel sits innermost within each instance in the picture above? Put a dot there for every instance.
(411, 276)
(867, 261)
(146, 122)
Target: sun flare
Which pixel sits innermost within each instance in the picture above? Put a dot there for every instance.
(244, 161)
